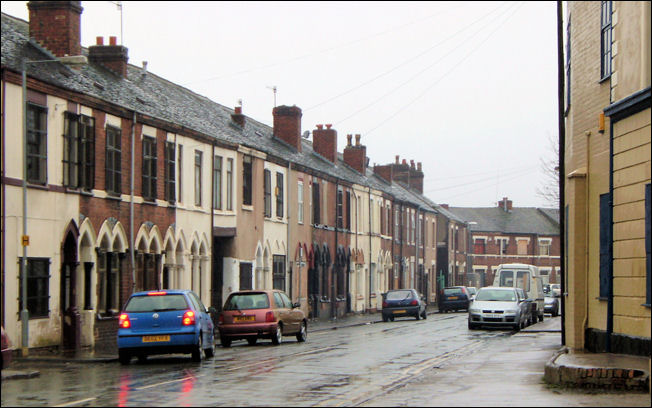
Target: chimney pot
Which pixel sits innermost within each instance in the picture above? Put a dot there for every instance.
(320, 127)
(238, 110)
(328, 126)
(412, 164)
(348, 139)
(113, 40)
(357, 140)
(397, 159)
(419, 166)
(404, 162)
(99, 40)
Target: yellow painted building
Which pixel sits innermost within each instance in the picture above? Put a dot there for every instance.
(607, 169)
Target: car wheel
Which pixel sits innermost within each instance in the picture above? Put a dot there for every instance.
(472, 326)
(124, 357)
(225, 341)
(424, 315)
(417, 316)
(303, 333)
(210, 352)
(385, 319)
(541, 317)
(391, 318)
(277, 337)
(142, 358)
(198, 351)
(252, 340)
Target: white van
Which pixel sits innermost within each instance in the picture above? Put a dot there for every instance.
(527, 278)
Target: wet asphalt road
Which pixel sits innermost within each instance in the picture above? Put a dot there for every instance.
(375, 364)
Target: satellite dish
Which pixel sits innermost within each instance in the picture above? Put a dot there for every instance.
(306, 134)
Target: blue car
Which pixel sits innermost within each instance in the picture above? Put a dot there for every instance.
(165, 322)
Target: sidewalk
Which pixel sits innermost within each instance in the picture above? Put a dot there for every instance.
(566, 367)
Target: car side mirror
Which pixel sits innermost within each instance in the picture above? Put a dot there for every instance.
(296, 305)
(211, 310)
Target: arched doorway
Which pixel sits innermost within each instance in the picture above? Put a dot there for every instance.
(70, 317)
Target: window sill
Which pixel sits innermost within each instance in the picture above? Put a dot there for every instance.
(87, 193)
(112, 196)
(602, 298)
(604, 79)
(149, 202)
(249, 208)
(646, 305)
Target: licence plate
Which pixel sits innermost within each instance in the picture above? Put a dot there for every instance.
(452, 297)
(244, 318)
(399, 311)
(492, 315)
(153, 339)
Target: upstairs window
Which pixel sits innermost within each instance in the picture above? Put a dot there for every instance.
(217, 182)
(267, 188)
(605, 39)
(78, 151)
(544, 246)
(229, 184)
(113, 160)
(300, 202)
(149, 168)
(340, 204)
(170, 166)
(316, 219)
(198, 177)
(247, 180)
(479, 245)
(279, 195)
(37, 149)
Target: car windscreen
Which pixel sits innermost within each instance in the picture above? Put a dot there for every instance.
(472, 291)
(399, 295)
(158, 303)
(453, 291)
(244, 301)
(496, 295)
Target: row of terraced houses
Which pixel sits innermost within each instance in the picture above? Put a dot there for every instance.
(129, 182)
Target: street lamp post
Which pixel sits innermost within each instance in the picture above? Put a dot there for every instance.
(24, 313)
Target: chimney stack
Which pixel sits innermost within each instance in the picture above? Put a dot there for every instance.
(324, 142)
(505, 204)
(238, 117)
(56, 25)
(385, 172)
(287, 125)
(356, 156)
(113, 57)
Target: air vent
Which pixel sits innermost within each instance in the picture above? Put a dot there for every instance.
(258, 134)
(141, 100)
(98, 85)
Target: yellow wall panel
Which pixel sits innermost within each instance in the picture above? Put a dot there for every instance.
(623, 212)
(638, 173)
(632, 123)
(639, 137)
(637, 155)
(632, 326)
(632, 248)
(629, 194)
(630, 229)
(629, 286)
(629, 306)
(629, 267)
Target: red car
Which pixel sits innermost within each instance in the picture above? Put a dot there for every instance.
(261, 314)
(6, 350)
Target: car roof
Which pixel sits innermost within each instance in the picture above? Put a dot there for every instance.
(499, 288)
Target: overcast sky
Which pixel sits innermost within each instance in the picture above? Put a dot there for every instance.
(467, 88)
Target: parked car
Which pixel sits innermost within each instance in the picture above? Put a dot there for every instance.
(6, 349)
(261, 314)
(472, 291)
(552, 303)
(165, 322)
(499, 306)
(402, 303)
(556, 289)
(527, 278)
(454, 298)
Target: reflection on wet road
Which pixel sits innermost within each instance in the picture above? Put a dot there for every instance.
(335, 367)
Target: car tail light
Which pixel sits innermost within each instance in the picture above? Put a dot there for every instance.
(124, 322)
(221, 318)
(269, 317)
(414, 302)
(384, 304)
(188, 318)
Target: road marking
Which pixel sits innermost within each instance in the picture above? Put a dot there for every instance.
(164, 383)
(68, 404)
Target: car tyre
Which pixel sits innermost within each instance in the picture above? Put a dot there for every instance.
(541, 317)
(385, 319)
(424, 315)
(472, 326)
(142, 358)
(417, 316)
(277, 337)
(303, 333)
(391, 318)
(517, 327)
(225, 341)
(124, 357)
(210, 352)
(197, 353)
(252, 340)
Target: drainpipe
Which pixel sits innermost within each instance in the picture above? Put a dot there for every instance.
(334, 267)
(610, 299)
(131, 205)
(370, 277)
(212, 238)
(287, 227)
(562, 167)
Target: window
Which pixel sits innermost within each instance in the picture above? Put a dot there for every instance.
(279, 195)
(229, 184)
(149, 168)
(246, 180)
(502, 245)
(217, 182)
(198, 164)
(544, 246)
(279, 272)
(78, 151)
(267, 190)
(479, 245)
(605, 40)
(413, 229)
(245, 276)
(648, 241)
(419, 231)
(37, 150)
(521, 247)
(113, 160)
(170, 166)
(316, 219)
(605, 245)
(348, 210)
(180, 173)
(109, 283)
(38, 287)
(396, 229)
(340, 198)
(300, 202)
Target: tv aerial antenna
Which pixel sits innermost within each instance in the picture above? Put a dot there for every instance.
(273, 88)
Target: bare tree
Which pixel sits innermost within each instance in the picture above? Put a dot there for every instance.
(549, 191)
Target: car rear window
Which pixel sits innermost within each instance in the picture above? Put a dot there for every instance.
(246, 301)
(398, 295)
(496, 295)
(158, 303)
(453, 291)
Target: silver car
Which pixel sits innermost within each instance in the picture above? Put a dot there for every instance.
(499, 306)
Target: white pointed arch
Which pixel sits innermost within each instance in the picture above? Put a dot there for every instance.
(169, 241)
(119, 238)
(105, 236)
(142, 239)
(155, 240)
